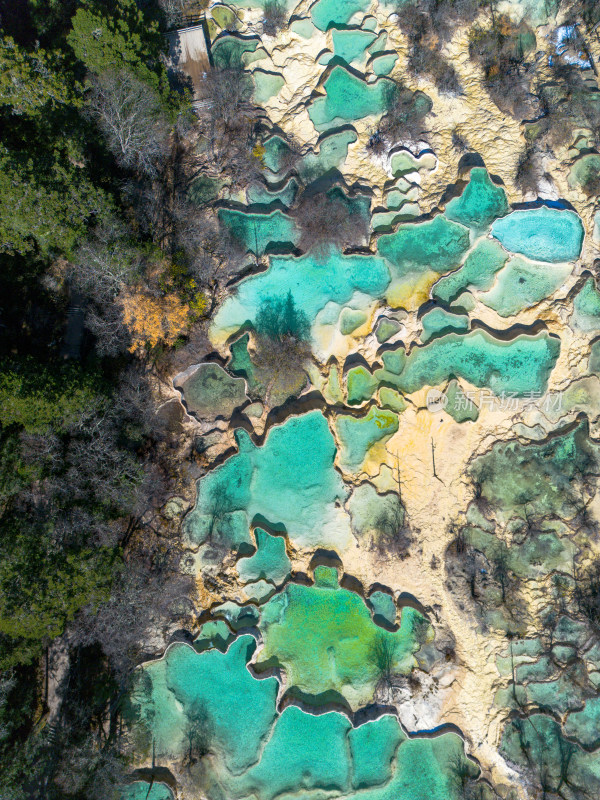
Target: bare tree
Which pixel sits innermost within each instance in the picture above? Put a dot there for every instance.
(428, 21)
(460, 540)
(472, 569)
(545, 775)
(282, 362)
(424, 23)
(212, 254)
(461, 774)
(381, 656)
(326, 220)
(587, 594)
(591, 183)
(8, 682)
(98, 470)
(129, 114)
(198, 733)
(109, 329)
(420, 629)
(147, 599)
(404, 119)
(389, 520)
(498, 49)
(274, 16)
(459, 142)
(92, 769)
(392, 535)
(562, 590)
(219, 507)
(548, 624)
(281, 347)
(174, 11)
(228, 89)
(528, 169)
(105, 262)
(229, 119)
(501, 568)
(566, 750)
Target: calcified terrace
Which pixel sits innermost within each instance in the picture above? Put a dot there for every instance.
(387, 542)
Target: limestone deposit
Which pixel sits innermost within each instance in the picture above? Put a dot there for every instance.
(389, 537)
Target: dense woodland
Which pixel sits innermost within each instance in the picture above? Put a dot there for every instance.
(107, 185)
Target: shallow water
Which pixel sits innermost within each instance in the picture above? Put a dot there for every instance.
(521, 365)
(258, 232)
(480, 203)
(326, 13)
(264, 510)
(437, 245)
(438, 321)
(521, 284)
(323, 637)
(348, 97)
(384, 63)
(351, 44)
(358, 434)
(541, 234)
(477, 272)
(270, 562)
(313, 281)
(586, 308)
(139, 790)
(290, 482)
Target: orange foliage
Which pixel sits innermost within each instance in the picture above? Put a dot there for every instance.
(153, 320)
(506, 26)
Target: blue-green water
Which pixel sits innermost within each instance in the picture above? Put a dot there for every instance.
(360, 385)
(326, 13)
(323, 637)
(478, 271)
(358, 434)
(437, 245)
(216, 688)
(438, 321)
(586, 308)
(290, 482)
(521, 365)
(542, 234)
(260, 193)
(348, 97)
(383, 64)
(229, 51)
(266, 85)
(350, 44)
(383, 606)
(185, 702)
(256, 232)
(330, 153)
(521, 284)
(140, 790)
(270, 562)
(480, 203)
(312, 280)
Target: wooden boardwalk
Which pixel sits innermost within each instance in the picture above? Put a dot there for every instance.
(189, 53)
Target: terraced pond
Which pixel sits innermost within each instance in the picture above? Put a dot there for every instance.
(322, 647)
(386, 586)
(270, 752)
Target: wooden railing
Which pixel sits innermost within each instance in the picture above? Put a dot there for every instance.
(193, 19)
(187, 21)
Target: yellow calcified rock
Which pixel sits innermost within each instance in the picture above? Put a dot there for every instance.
(412, 290)
(427, 459)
